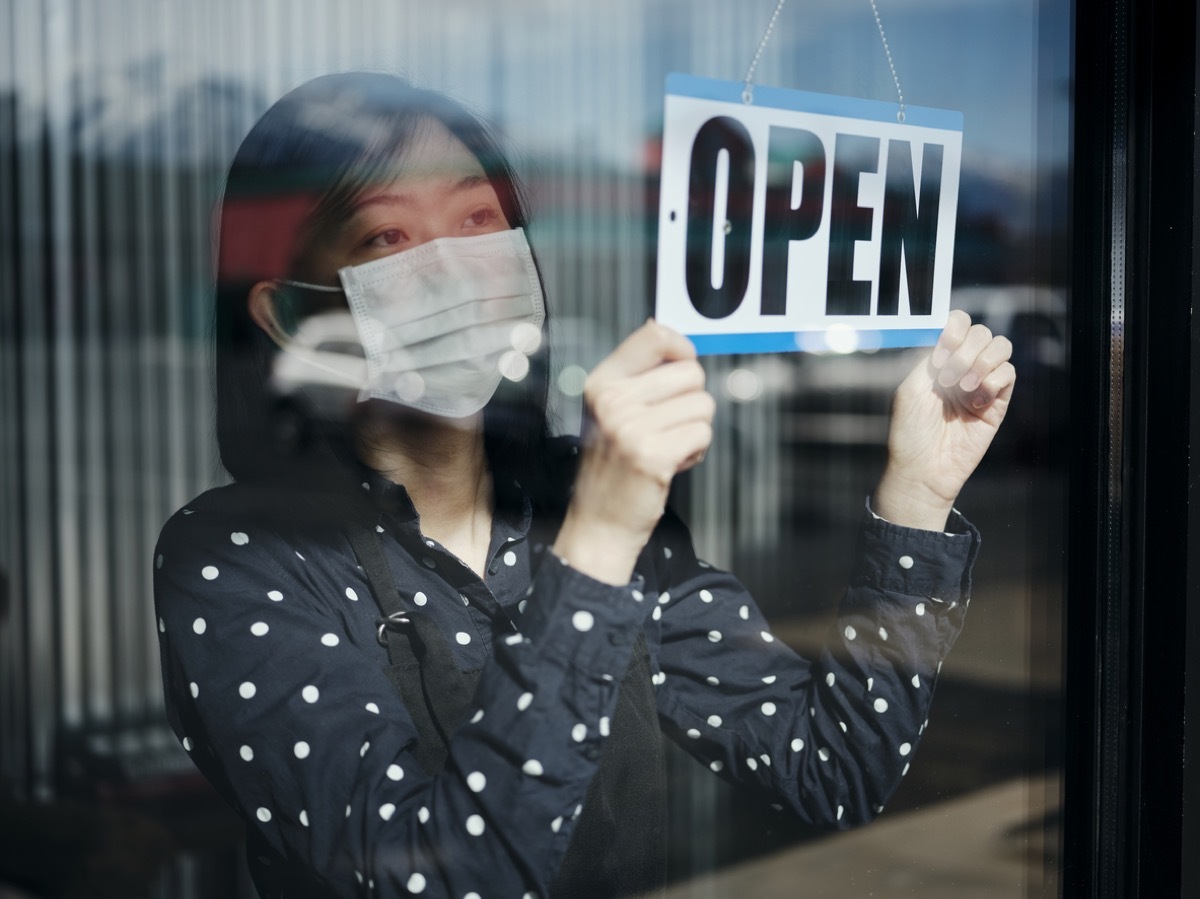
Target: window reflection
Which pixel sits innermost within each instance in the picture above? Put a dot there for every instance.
(114, 131)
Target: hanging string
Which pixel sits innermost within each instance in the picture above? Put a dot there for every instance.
(891, 65)
(748, 89)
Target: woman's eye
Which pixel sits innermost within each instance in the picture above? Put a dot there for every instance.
(389, 238)
(481, 218)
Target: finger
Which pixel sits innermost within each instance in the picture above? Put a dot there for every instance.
(998, 385)
(679, 410)
(964, 357)
(667, 380)
(997, 352)
(685, 445)
(951, 337)
(647, 347)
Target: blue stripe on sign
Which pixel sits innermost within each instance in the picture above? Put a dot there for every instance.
(792, 342)
(803, 101)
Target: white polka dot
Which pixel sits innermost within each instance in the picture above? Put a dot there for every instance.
(378, 529)
(768, 709)
(259, 628)
(463, 597)
(300, 557)
(717, 765)
(916, 681)
(920, 608)
(263, 814)
(556, 824)
(906, 561)
(194, 689)
(209, 572)
(472, 895)
(158, 561)
(523, 701)
(744, 613)
(372, 708)
(752, 764)
(664, 598)
(769, 679)
(275, 596)
(420, 598)
(705, 596)
(583, 620)
(303, 818)
(301, 750)
(476, 781)
(351, 594)
(830, 679)
(603, 727)
(907, 765)
(881, 704)
(462, 638)
(347, 810)
(905, 748)
(477, 717)
(658, 679)
(475, 825)
(797, 744)
(239, 539)
(637, 595)
(513, 639)
(667, 551)
(714, 720)
(879, 809)
(657, 613)
(870, 684)
(842, 725)
(246, 690)
(246, 753)
(850, 632)
(329, 640)
(713, 681)
(423, 815)
(767, 638)
(428, 562)
(523, 603)
(510, 558)
(310, 693)
(187, 743)
(579, 733)
(162, 626)
(199, 625)
(386, 811)
(714, 636)
(693, 733)
(395, 772)
(883, 634)
(823, 754)
(840, 811)
(533, 768)
(939, 667)
(363, 749)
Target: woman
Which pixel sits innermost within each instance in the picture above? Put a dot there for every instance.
(543, 618)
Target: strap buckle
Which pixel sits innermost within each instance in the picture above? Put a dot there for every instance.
(393, 621)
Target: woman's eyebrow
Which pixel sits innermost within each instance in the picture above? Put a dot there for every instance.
(392, 198)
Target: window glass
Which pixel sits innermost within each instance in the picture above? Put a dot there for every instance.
(116, 128)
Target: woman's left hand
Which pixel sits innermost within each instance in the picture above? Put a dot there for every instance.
(944, 417)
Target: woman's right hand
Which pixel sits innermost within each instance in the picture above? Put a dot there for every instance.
(647, 418)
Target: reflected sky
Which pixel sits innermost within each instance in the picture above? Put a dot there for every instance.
(563, 80)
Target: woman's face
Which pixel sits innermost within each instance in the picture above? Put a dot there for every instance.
(442, 192)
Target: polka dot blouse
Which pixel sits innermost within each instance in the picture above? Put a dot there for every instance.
(275, 685)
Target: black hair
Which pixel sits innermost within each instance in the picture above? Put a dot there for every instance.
(304, 161)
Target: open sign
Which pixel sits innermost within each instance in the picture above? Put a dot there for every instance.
(798, 216)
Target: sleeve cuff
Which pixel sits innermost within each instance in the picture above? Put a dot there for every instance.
(918, 562)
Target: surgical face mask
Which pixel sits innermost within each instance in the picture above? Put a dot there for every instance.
(443, 323)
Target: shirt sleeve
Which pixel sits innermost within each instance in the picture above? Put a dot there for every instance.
(285, 708)
(828, 737)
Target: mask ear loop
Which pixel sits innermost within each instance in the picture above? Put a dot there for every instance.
(309, 357)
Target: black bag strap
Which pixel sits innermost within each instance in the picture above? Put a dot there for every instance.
(414, 641)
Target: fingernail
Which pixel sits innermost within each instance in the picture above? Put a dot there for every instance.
(979, 400)
(946, 378)
(969, 381)
(939, 357)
